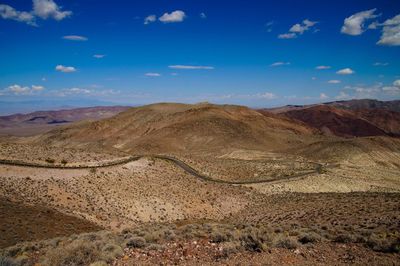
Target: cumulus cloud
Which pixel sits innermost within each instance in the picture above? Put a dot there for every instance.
(65, 69)
(75, 38)
(298, 29)
(175, 16)
(37, 88)
(391, 32)
(190, 67)
(43, 9)
(343, 96)
(49, 9)
(99, 56)
(322, 67)
(149, 19)
(279, 64)
(376, 91)
(354, 25)
(334, 81)
(152, 74)
(203, 15)
(345, 71)
(8, 12)
(22, 90)
(323, 96)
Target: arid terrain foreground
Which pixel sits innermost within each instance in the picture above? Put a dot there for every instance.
(180, 184)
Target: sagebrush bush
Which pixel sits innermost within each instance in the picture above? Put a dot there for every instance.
(136, 242)
(5, 261)
(75, 254)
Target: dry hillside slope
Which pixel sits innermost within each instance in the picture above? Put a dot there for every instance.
(170, 127)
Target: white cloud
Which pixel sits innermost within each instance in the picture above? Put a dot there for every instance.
(150, 19)
(151, 74)
(391, 32)
(354, 25)
(17, 89)
(380, 64)
(279, 64)
(8, 12)
(76, 91)
(301, 28)
(75, 38)
(345, 71)
(313, 78)
(287, 36)
(342, 96)
(334, 81)
(65, 69)
(323, 96)
(203, 15)
(43, 9)
(266, 95)
(376, 91)
(190, 67)
(22, 90)
(298, 29)
(49, 9)
(176, 16)
(322, 67)
(37, 88)
(99, 56)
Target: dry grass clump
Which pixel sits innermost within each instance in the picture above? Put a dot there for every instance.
(5, 261)
(103, 247)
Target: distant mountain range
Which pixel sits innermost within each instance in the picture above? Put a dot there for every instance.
(42, 121)
(354, 118)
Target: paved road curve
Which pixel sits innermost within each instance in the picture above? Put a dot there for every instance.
(177, 162)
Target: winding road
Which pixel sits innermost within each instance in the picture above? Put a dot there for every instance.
(187, 168)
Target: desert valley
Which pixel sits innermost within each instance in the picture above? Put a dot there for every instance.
(199, 132)
(204, 184)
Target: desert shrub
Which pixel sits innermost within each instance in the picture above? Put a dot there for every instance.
(384, 244)
(76, 253)
(93, 170)
(286, 242)
(345, 238)
(251, 243)
(219, 237)
(136, 242)
(309, 237)
(50, 160)
(111, 251)
(5, 261)
(157, 247)
(63, 161)
(99, 263)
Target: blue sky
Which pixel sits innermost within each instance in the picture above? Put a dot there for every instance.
(256, 53)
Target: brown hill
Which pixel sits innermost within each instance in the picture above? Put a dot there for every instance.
(346, 123)
(42, 121)
(387, 120)
(170, 127)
